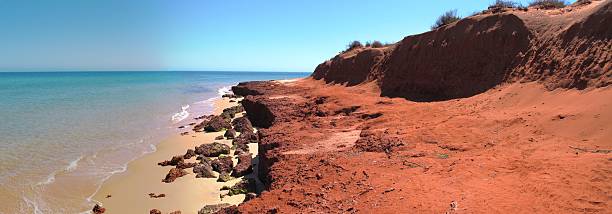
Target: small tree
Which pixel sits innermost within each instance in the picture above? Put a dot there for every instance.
(446, 18)
(377, 44)
(548, 4)
(353, 45)
(504, 4)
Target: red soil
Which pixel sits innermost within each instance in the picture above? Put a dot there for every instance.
(523, 122)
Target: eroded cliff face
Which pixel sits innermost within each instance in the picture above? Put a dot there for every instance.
(369, 147)
(565, 49)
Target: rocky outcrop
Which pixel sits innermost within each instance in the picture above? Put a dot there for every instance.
(242, 124)
(173, 174)
(230, 134)
(243, 90)
(203, 170)
(246, 138)
(189, 154)
(217, 123)
(258, 112)
(231, 112)
(244, 166)
(176, 160)
(223, 164)
(212, 149)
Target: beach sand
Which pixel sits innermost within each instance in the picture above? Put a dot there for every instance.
(130, 190)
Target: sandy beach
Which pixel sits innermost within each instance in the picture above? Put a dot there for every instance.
(129, 191)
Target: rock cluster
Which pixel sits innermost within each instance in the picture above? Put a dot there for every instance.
(216, 157)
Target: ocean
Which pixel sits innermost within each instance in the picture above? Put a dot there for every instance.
(63, 133)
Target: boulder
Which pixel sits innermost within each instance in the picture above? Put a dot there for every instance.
(212, 150)
(220, 137)
(210, 209)
(200, 127)
(223, 164)
(189, 154)
(230, 134)
(243, 187)
(173, 162)
(246, 138)
(173, 174)
(242, 124)
(244, 165)
(176, 212)
(217, 123)
(183, 165)
(224, 177)
(232, 111)
(203, 170)
(97, 209)
(155, 211)
(205, 160)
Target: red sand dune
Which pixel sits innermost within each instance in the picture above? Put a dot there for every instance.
(521, 123)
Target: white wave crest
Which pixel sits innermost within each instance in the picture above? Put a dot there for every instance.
(181, 115)
(73, 164)
(224, 90)
(70, 167)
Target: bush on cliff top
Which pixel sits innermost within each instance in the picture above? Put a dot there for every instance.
(375, 44)
(353, 45)
(446, 18)
(504, 4)
(548, 4)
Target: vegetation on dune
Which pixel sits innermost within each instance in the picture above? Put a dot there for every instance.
(446, 18)
(504, 4)
(353, 45)
(375, 44)
(548, 4)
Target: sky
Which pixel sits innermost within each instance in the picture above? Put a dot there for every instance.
(203, 35)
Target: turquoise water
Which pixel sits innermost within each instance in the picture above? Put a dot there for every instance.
(63, 133)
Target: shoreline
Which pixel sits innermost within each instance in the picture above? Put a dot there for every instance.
(130, 189)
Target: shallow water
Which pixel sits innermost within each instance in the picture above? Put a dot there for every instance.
(63, 134)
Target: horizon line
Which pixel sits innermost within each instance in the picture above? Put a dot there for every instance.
(76, 71)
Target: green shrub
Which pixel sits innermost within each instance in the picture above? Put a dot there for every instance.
(504, 4)
(353, 45)
(548, 4)
(446, 18)
(377, 44)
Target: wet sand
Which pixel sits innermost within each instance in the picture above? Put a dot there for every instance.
(130, 190)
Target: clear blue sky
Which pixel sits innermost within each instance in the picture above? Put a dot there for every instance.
(236, 35)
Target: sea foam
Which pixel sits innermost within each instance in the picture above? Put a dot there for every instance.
(179, 116)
